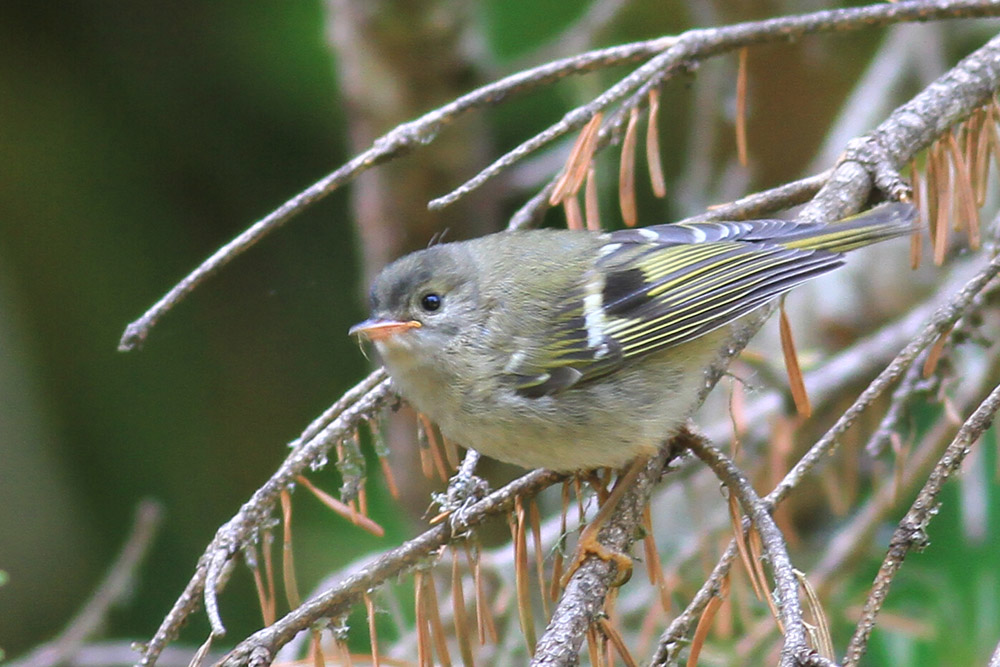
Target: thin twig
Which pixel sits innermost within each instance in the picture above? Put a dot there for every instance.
(672, 640)
(911, 386)
(911, 533)
(261, 647)
(854, 538)
(786, 582)
(117, 584)
(396, 143)
(230, 539)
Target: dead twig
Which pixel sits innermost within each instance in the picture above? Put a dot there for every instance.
(911, 533)
(786, 583)
(117, 584)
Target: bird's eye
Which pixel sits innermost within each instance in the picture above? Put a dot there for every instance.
(430, 302)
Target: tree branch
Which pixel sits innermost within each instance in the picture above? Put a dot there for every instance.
(795, 648)
(672, 640)
(117, 583)
(911, 533)
(338, 422)
(674, 55)
(261, 647)
(876, 158)
(583, 597)
(696, 45)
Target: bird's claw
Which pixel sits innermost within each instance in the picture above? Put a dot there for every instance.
(464, 491)
(589, 545)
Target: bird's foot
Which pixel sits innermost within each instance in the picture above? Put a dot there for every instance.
(464, 490)
(589, 545)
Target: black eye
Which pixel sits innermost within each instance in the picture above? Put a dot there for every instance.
(430, 302)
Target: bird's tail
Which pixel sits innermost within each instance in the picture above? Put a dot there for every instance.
(877, 224)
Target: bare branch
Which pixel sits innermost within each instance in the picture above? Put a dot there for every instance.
(795, 647)
(692, 46)
(261, 647)
(350, 398)
(696, 45)
(912, 385)
(242, 528)
(117, 583)
(396, 143)
(583, 598)
(912, 530)
(876, 158)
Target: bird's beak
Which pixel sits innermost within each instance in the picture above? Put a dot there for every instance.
(379, 329)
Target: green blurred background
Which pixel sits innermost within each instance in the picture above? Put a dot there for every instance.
(136, 138)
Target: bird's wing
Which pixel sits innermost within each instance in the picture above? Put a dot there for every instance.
(656, 287)
(658, 297)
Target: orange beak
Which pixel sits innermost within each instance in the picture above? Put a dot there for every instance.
(376, 329)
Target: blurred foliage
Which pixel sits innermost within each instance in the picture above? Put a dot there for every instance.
(136, 138)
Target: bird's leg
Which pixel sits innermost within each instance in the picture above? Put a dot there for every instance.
(464, 489)
(599, 483)
(589, 544)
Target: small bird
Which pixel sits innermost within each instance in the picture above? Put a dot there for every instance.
(574, 350)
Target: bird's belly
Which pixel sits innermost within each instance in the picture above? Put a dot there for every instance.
(602, 423)
(564, 451)
(605, 427)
